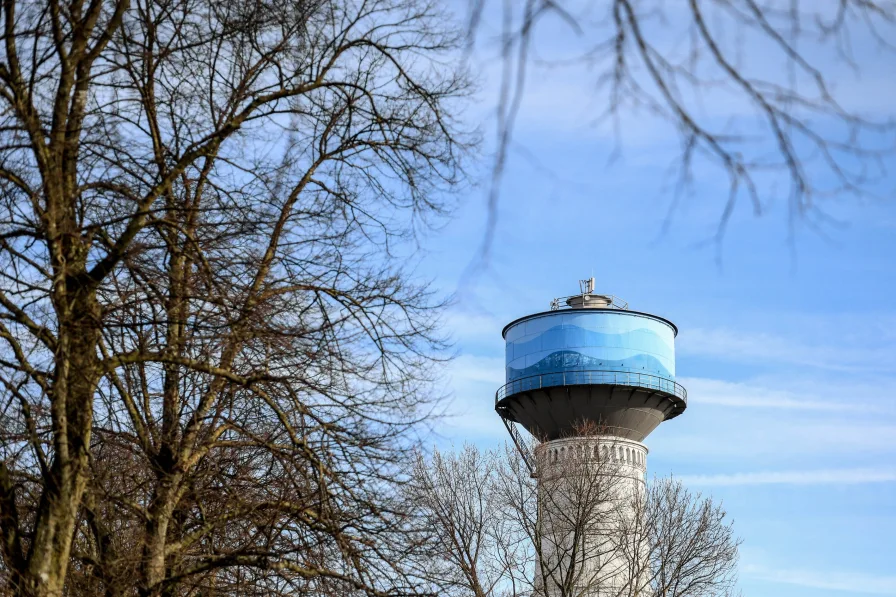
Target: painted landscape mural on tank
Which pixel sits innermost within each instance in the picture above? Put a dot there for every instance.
(591, 341)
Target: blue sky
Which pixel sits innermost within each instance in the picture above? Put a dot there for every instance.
(787, 341)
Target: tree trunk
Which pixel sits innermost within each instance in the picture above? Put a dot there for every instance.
(73, 386)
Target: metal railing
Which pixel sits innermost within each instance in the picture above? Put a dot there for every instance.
(596, 377)
(559, 303)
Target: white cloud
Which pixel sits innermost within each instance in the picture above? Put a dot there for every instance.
(741, 346)
(476, 329)
(472, 383)
(725, 393)
(852, 476)
(833, 580)
(467, 369)
(795, 421)
(764, 396)
(739, 442)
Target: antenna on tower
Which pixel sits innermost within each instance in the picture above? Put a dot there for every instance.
(587, 286)
(586, 299)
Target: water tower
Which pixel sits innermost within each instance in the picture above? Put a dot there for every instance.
(589, 359)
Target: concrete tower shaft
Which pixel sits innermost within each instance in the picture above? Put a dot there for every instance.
(588, 494)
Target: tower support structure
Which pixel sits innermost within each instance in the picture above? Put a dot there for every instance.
(589, 488)
(589, 381)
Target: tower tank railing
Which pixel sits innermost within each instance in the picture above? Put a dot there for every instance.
(592, 377)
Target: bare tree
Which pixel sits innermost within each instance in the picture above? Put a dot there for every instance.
(677, 544)
(586, 526)
(750, 87)
(455, 497)
(213, 362)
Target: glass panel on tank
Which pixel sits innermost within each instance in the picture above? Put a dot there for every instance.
(605, 340)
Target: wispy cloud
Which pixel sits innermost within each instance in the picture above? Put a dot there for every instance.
(853, 476)
(739, 346)
(467, 369)
(472, 382)
(476, 330)
(762, 396)
(850, 582)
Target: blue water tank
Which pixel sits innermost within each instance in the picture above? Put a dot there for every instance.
(590, 340)
(591, 361)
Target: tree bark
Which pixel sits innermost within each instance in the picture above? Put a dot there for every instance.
(75, 378)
